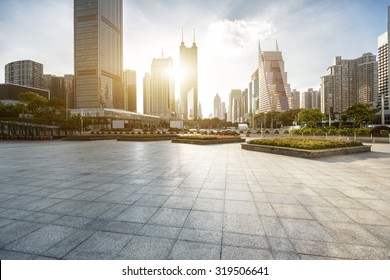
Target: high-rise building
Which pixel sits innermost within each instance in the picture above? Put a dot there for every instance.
(223, 111)
(147, 93)
(200, 113)
(60, 87)
(349, 81)
(235, 113)
(162, 88)
(273, 86)
(69, 89)
(130, 90)
(311, 99)
(188, 78)
(25, 73)
(295, 99)
(383, 70)
(217, 107)
(98, 40)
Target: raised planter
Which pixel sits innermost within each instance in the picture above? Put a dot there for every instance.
(306, 153)
(208, 142)
(142, 139)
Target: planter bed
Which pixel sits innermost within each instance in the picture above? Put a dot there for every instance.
(208, 142)
(88, 138)
(306, 153)
(165, 138)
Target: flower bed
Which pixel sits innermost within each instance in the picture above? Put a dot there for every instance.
(307, 144)
(121, 137)
(306, 148)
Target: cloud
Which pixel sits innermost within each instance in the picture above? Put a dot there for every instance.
(237, 35)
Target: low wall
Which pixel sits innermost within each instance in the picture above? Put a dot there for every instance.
(306, 153)
(207, 142)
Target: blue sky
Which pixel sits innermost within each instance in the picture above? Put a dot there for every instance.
(309, 33)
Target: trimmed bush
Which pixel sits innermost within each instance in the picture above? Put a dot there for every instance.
(276, 131)
(307, 144)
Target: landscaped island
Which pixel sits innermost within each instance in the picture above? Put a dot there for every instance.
(207, 140)
(307, 148)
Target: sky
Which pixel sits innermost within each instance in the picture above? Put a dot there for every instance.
(309, 34)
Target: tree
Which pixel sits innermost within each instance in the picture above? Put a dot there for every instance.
(310, 117)
(289, 117)
(35, 104)
(361, 113)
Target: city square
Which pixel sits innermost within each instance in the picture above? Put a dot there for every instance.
(161, 200)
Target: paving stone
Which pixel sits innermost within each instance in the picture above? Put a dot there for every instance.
(100, 244)
(16, 230)
(368, 217)
(73, 221)
(306, 230)
(204, 220)
(4, 222)
(122, 227)
(179, 202)
(281, 198)
(11, 255)
(380, 232)
(291, 211)
(160, 231)
(15, 214)
(208, 204)
(41, 240)
(241, 253)
(147, 248)
(169, 217)
(40, 217)
(202, 236)
(327, 214)
(243, 223)
(137, 214)
(240, 207)
(245, 240)
(152, 200)
(281, 244)
(211, 193)
(238, 195)
(68, 193)
(187, 250)
(65, 207)
(265, 209)
(92, 209)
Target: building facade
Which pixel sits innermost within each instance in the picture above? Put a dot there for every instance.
(349, 81)
(98, 41)
(235, 112)
(162, 88)
(217, 107)
(311, 99)
(189, 78)
(9, 93)
(147, 98)
(273, 86)
(383, 70)
(61, 88)
(295, 99)
(25, 73)
(130, 90)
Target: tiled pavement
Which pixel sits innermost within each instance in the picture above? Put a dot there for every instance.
(158, 200)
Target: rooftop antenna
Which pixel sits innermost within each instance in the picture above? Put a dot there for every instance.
(182, 35)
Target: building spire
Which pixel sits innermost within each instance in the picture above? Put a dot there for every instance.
(162, 52)
(194, 44)
(182, 35)
(259, 47)
(277, 47)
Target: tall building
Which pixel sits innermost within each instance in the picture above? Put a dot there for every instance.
(98, 41)
(189, 78)
(235, 113)
(25, 73)
(311, 99)
(130, 90)
(162, 88)
(295, 99)
(217, 107)
(147, 93)
(349, 81)
(69, 89)
(61, 88)
(273, 86)
(223, 111)
(383, 70)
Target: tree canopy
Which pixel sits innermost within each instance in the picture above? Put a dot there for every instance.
(310, 117)
(361, 113)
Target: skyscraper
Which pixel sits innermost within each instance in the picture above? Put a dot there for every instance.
(217, 107)
(146, 93)
(273, 86)
(189, 78)
(162, 88)
(25, 73)
(384, 69)
(98, 40)
(235, 106)
(130, 90)
(349, 81)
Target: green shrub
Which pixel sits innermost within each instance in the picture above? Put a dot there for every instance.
(286, 132)
(276, 131)
(266, 131)
(384, 132)
(307, 144)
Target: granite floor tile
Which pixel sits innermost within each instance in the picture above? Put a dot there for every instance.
(305, 230)
(241, 253)
(243, 223)
(147, 248)
(245, 240)
(187, 250)
(169, 217)
(208, 204)
(201, 236)
(137, 214)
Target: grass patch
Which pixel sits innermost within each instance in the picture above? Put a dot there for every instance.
(306, 144)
